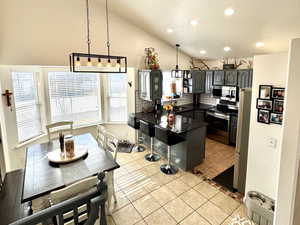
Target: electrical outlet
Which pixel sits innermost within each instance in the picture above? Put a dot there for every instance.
(272, 142)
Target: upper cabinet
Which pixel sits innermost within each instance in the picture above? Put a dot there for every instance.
(219, 77)
(156, 84)
(150, 84)
(198, 80)
(209, 81)
(245, 78)
(231, 77)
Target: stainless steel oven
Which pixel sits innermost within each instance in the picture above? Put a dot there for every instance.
(218, 126)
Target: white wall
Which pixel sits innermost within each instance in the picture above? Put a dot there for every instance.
(263, 160)
(288, 205)
(35, 32)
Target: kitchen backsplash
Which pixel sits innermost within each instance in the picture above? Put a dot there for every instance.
(141, 104)
(208, 99)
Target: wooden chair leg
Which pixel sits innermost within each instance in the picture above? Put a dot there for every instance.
(113, 190)
(103, 214)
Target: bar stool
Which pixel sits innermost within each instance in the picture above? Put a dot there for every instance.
(149, 130)
(169, 138)
(135, 124)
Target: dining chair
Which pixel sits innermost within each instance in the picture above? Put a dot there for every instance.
(63, 126)
(93, 198)
(109, 143)
(68, 192)
(101, 136)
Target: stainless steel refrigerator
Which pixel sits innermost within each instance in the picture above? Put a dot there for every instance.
(241, 154)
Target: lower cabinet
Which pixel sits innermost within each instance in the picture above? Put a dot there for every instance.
(233, 129)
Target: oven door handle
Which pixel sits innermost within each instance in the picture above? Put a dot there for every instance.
(219, 115)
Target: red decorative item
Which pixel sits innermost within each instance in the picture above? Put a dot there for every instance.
(171, 118)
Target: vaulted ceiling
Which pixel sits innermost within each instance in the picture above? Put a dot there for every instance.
(272, 22)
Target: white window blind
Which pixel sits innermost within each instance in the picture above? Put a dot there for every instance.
(117, 97)
(74, 97)
(26, 105)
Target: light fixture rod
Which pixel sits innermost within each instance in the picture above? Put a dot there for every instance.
(107, 30)
(88, 26)
(177, 47)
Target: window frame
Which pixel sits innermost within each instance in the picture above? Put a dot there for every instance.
(107, 100)
(37, 76)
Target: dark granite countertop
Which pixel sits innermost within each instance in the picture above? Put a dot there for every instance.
(182, 124)
(191, 107)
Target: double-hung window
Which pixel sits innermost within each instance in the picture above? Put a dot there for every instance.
(117, 97)
(27, 105)
(74, 97)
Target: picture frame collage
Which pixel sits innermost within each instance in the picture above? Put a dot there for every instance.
(270, 104)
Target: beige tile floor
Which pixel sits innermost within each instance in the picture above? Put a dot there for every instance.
(145, 196)
(218, 158)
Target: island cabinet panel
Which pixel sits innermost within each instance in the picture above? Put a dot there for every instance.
(209, 76)
(245, 78)
(198, 77)
(219, 77)
(231, 77)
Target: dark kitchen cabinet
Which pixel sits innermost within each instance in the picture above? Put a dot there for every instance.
(231, 77)
(219, 77)
(209, 76)
(198, 79)
(233, 129)
(199, 115)
(150, 84)
(245, 78)
(156, 84)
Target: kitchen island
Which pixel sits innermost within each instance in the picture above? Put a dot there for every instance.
(187, 154)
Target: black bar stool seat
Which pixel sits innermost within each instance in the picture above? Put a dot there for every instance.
(169, 138)
(135, 124)
(149, 130)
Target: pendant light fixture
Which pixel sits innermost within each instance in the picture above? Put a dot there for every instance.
(93, 63)
(177, 73)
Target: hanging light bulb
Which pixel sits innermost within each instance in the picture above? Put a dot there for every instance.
(89, 63)
(77, 63)
(99, 63)
(118, 65)
(108, 63)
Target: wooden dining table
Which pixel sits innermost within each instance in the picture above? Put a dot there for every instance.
(42, 177)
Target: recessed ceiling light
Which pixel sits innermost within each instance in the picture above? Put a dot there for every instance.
(170, 30)
(260, 44)
(227, 49)
(229, 12)
(194, 22)
(203, 52)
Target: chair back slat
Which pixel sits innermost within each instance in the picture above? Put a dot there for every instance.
(63, 126)
(107, 141)
(60, 219)
(75, 216)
